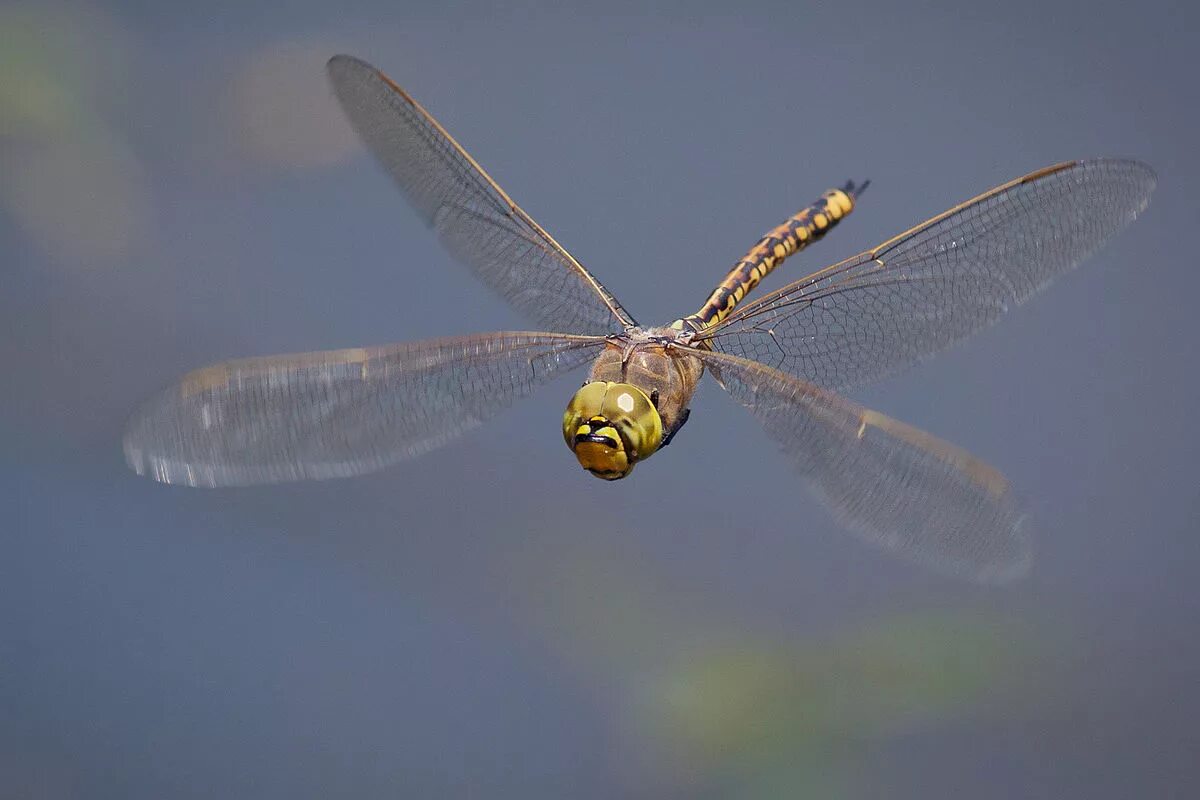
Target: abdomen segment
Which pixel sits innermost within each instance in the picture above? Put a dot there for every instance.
(792, 236)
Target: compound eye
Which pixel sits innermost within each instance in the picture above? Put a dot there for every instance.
(631, 411)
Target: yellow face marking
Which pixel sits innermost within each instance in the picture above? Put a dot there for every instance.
(599, 458)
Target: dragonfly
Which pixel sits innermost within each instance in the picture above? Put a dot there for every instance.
(787, 357)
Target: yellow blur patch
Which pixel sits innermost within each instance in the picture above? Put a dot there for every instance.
(283, 118)
(203, 379)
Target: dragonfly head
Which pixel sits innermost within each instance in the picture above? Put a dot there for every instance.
(610, 427)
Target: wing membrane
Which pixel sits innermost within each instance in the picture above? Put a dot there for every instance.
(934, 285)
(475, 219)
(338, 413)
(889, 482)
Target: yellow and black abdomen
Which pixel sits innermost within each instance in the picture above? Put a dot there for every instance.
(796, 233)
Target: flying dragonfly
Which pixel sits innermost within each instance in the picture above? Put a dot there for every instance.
(785, 356)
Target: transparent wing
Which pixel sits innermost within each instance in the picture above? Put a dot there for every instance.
(937, 283)
(891, 483)
(475, 219)
(338, 413)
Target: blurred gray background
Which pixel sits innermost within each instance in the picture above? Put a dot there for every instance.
(178, 187)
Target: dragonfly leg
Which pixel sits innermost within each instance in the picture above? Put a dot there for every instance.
(687, 412)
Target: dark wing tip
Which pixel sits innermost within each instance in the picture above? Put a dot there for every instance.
(352, 77)
(349, 71)
(346, 71)
(341, 64)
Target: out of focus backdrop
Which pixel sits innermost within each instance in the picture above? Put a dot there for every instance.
(177, 187)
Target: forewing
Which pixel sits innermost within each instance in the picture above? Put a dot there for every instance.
(934, 285)
(893, 484)
(338, 413)
(475, 219)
